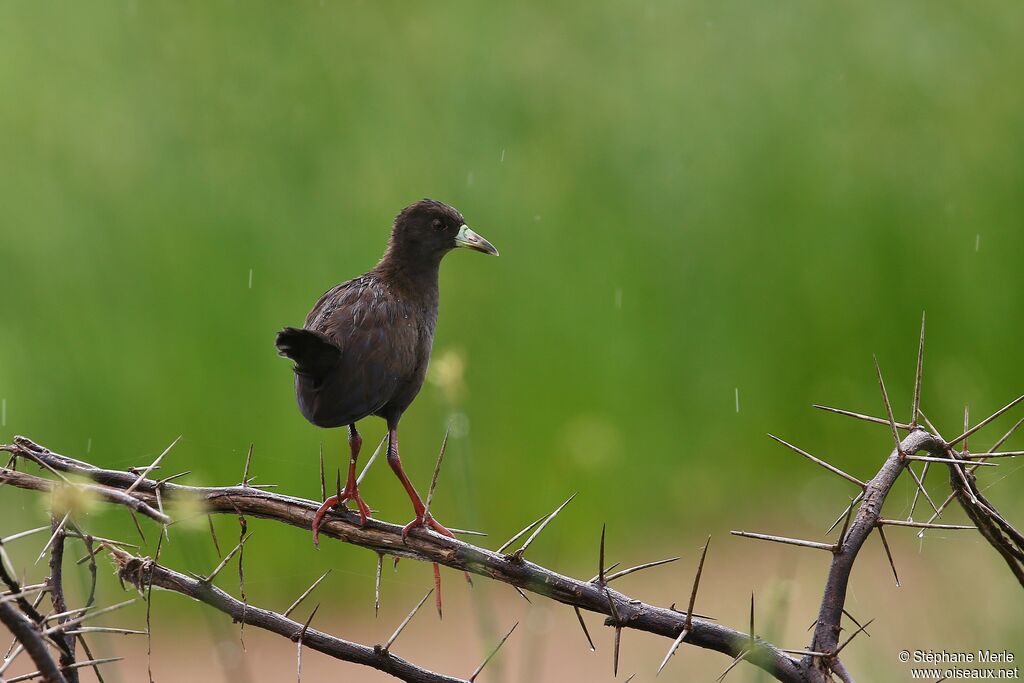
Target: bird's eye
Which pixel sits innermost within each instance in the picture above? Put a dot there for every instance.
(437, 224)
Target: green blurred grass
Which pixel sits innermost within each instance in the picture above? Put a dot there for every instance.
(690, 199)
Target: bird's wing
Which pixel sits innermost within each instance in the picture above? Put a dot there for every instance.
(377, 339)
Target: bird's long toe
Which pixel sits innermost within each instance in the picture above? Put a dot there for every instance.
(336, 502)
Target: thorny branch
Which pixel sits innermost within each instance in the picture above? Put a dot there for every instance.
(816, 664)
(141, 572)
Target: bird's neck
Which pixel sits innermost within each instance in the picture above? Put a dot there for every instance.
(411, 273)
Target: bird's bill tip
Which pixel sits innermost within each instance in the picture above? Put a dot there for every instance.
(470, 240)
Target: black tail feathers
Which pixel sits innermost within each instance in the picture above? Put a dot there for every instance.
(314, 354)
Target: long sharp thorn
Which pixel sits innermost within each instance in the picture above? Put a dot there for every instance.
(583, 626)
(76, 665)
(672, 650)
(988, 419)
(610, 567)
(323, 481)
(493, 652)
(861, 416)
(929, 423)
(1003, 454)
(213, 535)
(305, 594)
(376, 585)
(142, 477)
(138, 527)
(920, 489)
(523, 595)
(615, 659)
(640, 567)
(844, 513)
(56, 532)
(888, 405)
(405, 623)
(784, 539)
(519, 553)
(227, 558)
(888, 553)
(519, 535)
(852, 636)
(466, 532)
(248, 463)
(819, 461)
(967, 424)
(76, 620)
(600, 558)
(631, 677)
(739, 658)
(107, 629)
(946, 461)
(23, 534)
(938, 513)
(854, 620)
(919, 481)
(1007, 435)
(618, 631)
(696, 584)
(366, 467)
(179, 475)
(923, 525)
(437, 470)
(918, 376)
(846, 525)
(751, 616)
(806, 653)
(298, 646)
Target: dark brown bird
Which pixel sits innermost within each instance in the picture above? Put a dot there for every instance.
(365, 346)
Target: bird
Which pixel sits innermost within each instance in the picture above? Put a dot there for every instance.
(364, 347)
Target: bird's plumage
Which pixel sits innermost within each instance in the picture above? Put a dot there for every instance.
(363, 351)
(365, 346)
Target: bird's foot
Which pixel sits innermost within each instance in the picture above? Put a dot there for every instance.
(349, 493)
(427, 520)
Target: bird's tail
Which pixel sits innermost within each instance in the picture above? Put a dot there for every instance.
(314, 354)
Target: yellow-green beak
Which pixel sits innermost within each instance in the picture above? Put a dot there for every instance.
(470, 240)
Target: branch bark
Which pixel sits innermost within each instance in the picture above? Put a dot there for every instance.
(32, 640)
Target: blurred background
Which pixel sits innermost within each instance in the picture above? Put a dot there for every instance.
(710, 217)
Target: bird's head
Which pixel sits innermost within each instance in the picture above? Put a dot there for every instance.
(429, 229)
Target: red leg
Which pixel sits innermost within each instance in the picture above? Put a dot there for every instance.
(350, 492)
(423, 516)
